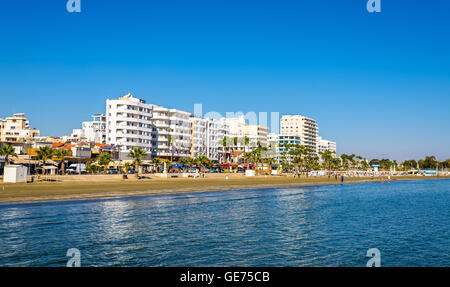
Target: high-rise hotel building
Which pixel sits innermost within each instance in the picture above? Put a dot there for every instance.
(300, 126)
(129, 124)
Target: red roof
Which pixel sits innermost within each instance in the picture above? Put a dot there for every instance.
(56, 145)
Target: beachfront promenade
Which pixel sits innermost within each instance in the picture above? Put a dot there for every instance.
(72, 187)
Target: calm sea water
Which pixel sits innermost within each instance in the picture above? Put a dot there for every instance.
(409, 222)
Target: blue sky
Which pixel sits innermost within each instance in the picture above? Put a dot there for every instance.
(378, 84)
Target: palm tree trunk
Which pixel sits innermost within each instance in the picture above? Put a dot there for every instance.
(43, 169)
(136, 169)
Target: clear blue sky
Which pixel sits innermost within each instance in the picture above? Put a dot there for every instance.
(378, 84)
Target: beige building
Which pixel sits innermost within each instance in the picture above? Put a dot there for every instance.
(324, 145)
(303, 127)
(16, 129)
(237, 127)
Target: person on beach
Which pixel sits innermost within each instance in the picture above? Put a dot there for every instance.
(342, 178)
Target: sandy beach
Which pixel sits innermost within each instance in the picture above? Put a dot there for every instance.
(62, 188)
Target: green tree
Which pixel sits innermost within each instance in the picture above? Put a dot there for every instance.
(246, 142)
(202, 160)
(299, 153)
(345, 161)
(446, 164)
(311, 163)
(327, 156)
(92, 168)
(248, 156)
(284, 154)
(429, 162)
(8, 151)
(104, 159)
(44, 153)
(156, 162)
(60, 155)
(364, 164)
(171, 142)
(224, 145)
(186, 161)
(409, 164)
(336, 163)
(137, 154)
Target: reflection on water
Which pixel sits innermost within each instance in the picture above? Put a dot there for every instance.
(311, 226)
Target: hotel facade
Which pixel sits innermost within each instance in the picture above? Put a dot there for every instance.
(302, 129)
(17, 129)
(129, 124)
(172, 134)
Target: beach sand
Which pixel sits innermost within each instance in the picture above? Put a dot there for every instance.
(110, 186)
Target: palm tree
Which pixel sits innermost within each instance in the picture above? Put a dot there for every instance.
(202, 160)
(44, 153)
(287, 147)
(345, 159)
(299, 152)
(224, 144)
(137, 154)
(335, 163)
(298, 161)
(92, 168)
(246, 142)
(61, 154)
(8, 151)
(104, 159)
(235, 141)
(352, 160)
(171, 142)
(156, 162)
(248, 157)
(327, 156)
(185, 161)
(311, 163)
(234, 147)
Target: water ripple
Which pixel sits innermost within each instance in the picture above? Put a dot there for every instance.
(311, 226)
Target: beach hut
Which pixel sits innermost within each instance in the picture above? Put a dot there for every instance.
(15, 174)
(49, 169)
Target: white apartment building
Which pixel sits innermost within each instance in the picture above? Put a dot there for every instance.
(180, 132)
(206, 138)
(323, 145)
(289, 140)
(171, 133)
(274, 146)
(17, 129)
(93, 131)
(199, 136)
(161, 131)
(215, 132)
(301, 126)
(129, 124)
(237, 127)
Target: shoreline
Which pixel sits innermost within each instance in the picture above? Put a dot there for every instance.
(67, 188)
